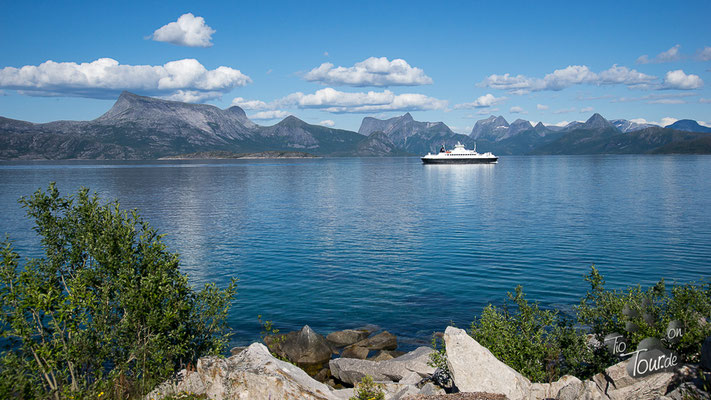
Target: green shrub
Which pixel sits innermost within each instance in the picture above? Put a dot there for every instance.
(537, 343)
(542, 345)
(106, 312)
(368, 390)
(603, 311)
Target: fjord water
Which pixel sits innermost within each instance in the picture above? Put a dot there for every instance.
(341, 242)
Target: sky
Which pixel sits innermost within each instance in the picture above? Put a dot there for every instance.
(334, 63)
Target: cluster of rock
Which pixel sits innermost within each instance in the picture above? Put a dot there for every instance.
(255, 373)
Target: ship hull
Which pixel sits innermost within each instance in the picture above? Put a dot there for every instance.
(482, 160)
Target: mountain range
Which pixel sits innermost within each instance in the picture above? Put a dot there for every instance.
(138, 127)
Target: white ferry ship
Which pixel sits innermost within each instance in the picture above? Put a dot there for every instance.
(459, 155)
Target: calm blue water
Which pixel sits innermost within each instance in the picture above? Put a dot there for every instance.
(339, 243)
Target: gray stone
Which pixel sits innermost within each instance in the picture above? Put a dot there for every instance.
(412, 379)
(475, 369)
(236, 350)
(351, 370)
(252, 374)
(305, 348)
(347, 337)
(358, 352)
(323, 375)
(382, 341)
(383, 355)
(405, 392)
(616, 383)
(256, 375)
(430, 389)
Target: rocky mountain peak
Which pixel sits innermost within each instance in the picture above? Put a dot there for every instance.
(597, 121)
(492, 128)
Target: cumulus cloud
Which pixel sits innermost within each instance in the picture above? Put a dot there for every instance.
(541, 107)
(188, 30)
(105, 78)
(666, 121)
(586, 109)
(486, 100)
(335, 101)
(327, 122)
(370, 72)
(250, 104)
(670, 55)
(517, 110)
(704, 54)
(567, 77)
(271, 114)
(679, 80)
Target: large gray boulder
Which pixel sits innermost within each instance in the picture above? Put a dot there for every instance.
(616, 383)
(382, 341)
(347, 337)
(252, 374)
(305, 348)
(351, 370)
(475, 369)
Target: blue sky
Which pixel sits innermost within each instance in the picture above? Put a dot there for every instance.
(337, 62)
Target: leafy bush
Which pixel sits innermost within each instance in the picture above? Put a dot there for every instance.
(543, 346)
(537, 343)
(606, 311)
(106, 311)
(368, 390)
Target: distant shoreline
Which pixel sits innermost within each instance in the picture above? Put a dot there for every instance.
(225, 155)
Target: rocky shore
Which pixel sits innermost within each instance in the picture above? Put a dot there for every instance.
(307, 365)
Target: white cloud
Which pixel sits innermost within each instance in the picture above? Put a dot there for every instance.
(370, 72)
(517, 110)
(704, 101)
(679, 80)
(565, 110)
(542, 107)
(272, 114)
(586, 109)
(566, 77)
(667, 101)
(192, 96)
(335, 101)
(666, 121)
(250, 104)
(706, 124)
(106, 78)
(704, 54)
(663, 57)
(325, 54)
(327, 122)
(188, 30)
(486, 100)
(559, 124)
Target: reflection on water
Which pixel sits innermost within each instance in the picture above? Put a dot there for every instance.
(338, 243)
